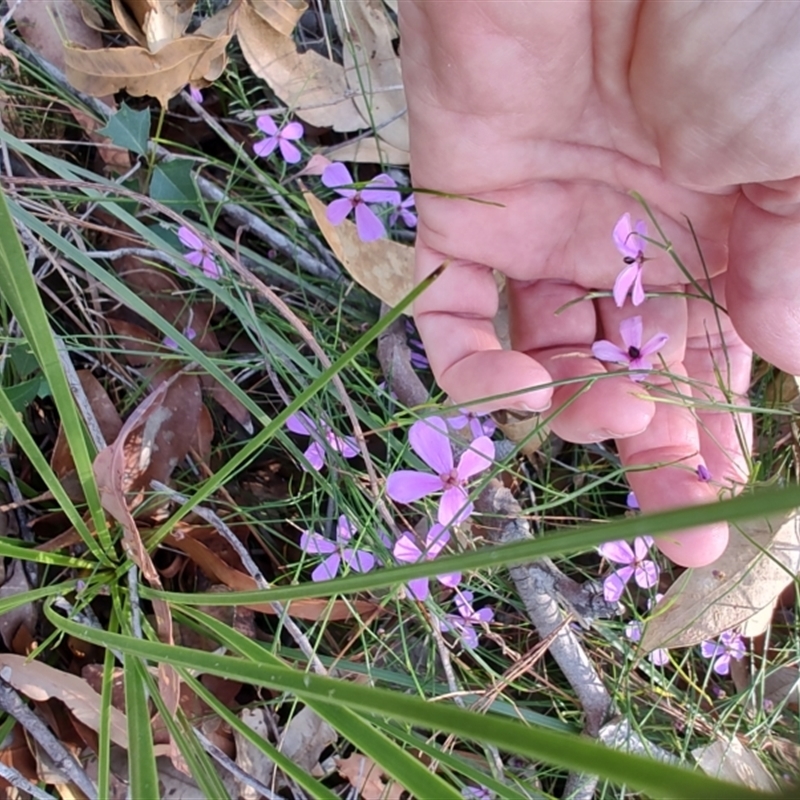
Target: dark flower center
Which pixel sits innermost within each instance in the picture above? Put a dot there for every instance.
(633, 352)
(450, 479)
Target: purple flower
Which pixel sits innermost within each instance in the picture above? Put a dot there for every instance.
(630, 243)
(477, 426)
(703, 474)
(401, 211)
(463, 622)
(189, 332)
(381, 189)
(476, 793)
(199, 254)
(634, 564)
(338, 552)
(632, 502)
(407, 551)
(635, 355)
(195, 94)
(278, 137)
(429, 440)
(730, 645)
(315, 453)
(633, 631)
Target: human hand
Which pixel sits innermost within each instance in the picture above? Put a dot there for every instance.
(555, 111)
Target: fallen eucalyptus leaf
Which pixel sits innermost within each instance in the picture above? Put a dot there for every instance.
(283, 15)
(704, 602)
(161, 21)
(731, 761)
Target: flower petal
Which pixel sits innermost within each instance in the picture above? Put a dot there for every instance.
(315, 544)
(630, 330)
(711, 649)
(477, 458)
(603, 350)
(346, 445)
(189, 238)
(419, 589)
(292, 130)
(265, 147)
(633, 631)
(436, 540)
(358, 560)
(406, 485)
(641, 547)
(406, 549)
(655, 344)
(622, 235)
(345, 530)
(429, 440)
(484, 614)
(315, 454)
(632, 502)
(659, 657)
(464, 603)
(454, 507)
(291, 154)
(327, 569)
(637, 295)
(646, 574)
(335, 175)
(368, 225)
(449, 579)
(337, 210)
(301, 423)
(619, 552)
(211, 269)
(469, 637)
(613, 587)
(265, 123)
(623, 283)
(195, 94)
(381, 189)
(722, 666)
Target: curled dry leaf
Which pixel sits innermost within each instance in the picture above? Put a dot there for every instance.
(704, 602)
(160, 21)
(367, 778)
(283, 15)
(372, 71)
(305, 737)
(194, 58)
(249, 757)
(41, 682)
(731, 761)
(383, 267)
(312, 86)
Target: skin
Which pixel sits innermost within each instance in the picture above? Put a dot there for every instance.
(555, 111)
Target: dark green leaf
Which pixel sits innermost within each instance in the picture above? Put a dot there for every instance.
(129, 129)
(172, 184)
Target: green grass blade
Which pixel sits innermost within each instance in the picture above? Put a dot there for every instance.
(564, 750)
(104, 728)
(761, 503)
(22, 295)
(141, 756)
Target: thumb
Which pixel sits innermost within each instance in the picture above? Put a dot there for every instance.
(763, 293)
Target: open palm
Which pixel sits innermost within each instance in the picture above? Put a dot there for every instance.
(554, 112)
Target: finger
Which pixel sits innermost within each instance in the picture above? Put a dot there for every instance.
(764, 274)
(662, 460)
(718, 362)
(455, 319)
(559, 336)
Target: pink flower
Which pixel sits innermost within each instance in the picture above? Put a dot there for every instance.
(199, 254)
(338, 552)
(633, 631)
(476, 793)
(402, 211)
(477, 426)
(429, 440)
(315, 453)
(195, 94)
(381, 189)
(463, 623)
(634, 565)
(635, 355)
(703, 474)
(278, 137)
(632, 502)
(407, 551)
(730, 645)
(630, 243)
(189, 332)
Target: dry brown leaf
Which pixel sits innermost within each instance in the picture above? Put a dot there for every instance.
(782, 686)
(372, 70)
(371, 151)
(732, 761)
(126, 20)
(367, 778)
(16, 582)
(704, 602)
(41, 682)
(305, 737)
(313, 608)
(161, 21)
(383, 267)
(249, 757)
(190, 59)
(314, 87)
(283, 15)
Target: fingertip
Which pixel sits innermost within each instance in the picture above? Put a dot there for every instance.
(696, 547)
